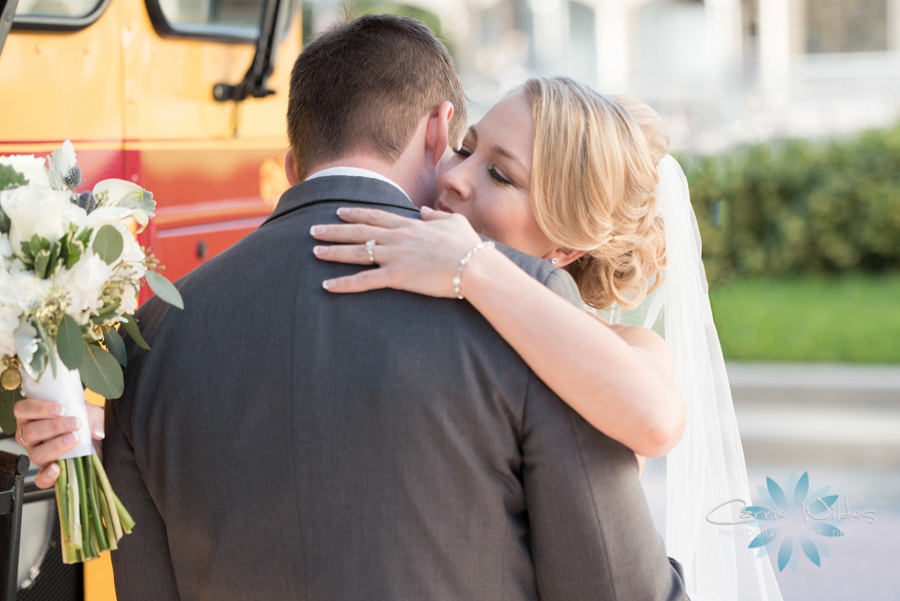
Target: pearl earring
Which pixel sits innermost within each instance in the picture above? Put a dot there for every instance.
(554, 261)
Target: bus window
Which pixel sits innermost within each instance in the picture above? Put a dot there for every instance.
(52, 8)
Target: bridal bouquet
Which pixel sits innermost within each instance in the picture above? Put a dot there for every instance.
(70, 273)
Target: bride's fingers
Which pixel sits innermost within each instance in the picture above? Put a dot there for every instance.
(374, 217)
(347, 233)
(354, 254)
(429, 214)
(370, 279)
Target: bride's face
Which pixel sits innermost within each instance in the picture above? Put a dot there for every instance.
(488, 179)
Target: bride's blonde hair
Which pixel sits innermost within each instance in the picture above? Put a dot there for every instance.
(593, 187)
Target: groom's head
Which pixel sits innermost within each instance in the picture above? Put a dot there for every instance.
(365, 86)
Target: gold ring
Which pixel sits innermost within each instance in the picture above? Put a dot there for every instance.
(20, 439)
(370, 248)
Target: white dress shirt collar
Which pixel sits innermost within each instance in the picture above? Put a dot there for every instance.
(356, 172)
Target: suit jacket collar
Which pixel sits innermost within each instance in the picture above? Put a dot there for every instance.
(337, 188)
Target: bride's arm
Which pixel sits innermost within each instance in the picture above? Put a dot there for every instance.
(620, 379)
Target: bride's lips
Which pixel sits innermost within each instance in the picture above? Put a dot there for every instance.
(442, 207)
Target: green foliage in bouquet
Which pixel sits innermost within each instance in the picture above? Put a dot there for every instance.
(792, 207)
(70, 273)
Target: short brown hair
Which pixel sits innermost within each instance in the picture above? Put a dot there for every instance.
(364, 85)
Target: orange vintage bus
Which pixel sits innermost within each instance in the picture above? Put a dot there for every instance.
(187, 98)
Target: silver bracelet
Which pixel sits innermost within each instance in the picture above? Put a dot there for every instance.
(465, 261)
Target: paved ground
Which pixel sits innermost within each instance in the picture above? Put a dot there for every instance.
(841, 424)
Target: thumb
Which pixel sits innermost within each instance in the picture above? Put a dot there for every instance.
(96, 417)
(429, 214)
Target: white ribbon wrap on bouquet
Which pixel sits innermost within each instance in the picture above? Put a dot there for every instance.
(64, 388)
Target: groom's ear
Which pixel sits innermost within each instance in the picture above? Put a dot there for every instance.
(437, 132)
(290, 168)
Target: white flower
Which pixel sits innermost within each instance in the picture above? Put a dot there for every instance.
(5, 249)
(75, 215)
(106, 216)
(32, 168)
(61, 161)
(83, 284)
(34, 210)
(9, 316)
(122, 193)
(117, 190)
(129, 300)
(22, 288)
(26, 341)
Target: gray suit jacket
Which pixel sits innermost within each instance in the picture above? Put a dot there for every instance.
(280, 442)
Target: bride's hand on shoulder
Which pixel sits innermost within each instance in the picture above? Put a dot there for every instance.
(420, 256)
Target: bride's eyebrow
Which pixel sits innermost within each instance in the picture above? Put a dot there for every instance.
(505, 153)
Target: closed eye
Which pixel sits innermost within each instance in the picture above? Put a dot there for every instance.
(495, 175)
(462, 153)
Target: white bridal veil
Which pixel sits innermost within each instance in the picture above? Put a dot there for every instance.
(706, 469)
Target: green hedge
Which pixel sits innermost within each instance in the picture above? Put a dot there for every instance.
(799, 207)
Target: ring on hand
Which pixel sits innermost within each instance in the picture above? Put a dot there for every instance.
(370, 248)
(20, 439)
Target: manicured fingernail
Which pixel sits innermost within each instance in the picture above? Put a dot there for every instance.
(342, 211)
(73, 423)
(327, 284)
(56, 409)
(320, 250)
(53, 470)
(427, 210)
(71, 438)
(317, 229)
(98, 431)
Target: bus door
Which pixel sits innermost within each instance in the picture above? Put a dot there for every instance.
(163, 93)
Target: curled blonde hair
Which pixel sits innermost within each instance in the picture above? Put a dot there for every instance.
(593, 187)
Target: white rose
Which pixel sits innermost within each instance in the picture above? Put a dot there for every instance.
(32, 168)
(34, 210)
(83, 284)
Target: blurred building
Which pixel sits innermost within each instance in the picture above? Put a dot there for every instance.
(721, 71)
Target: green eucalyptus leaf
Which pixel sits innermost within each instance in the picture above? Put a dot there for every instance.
(101, 372)
(108, 244)
(4, 222)
(69, 343)
(131, 328)
(164, 289)
(115, 345)
(10, 178)
(8, 398)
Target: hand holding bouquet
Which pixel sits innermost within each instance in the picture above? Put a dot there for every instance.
(70, 273)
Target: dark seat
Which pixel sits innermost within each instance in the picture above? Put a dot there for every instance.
(12, 488)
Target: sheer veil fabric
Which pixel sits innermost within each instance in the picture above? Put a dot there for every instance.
(706, 469)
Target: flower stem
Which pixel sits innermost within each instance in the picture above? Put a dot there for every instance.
(97, 524)
(110, 496)
(86, 546)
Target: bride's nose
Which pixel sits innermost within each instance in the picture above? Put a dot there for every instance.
(456, 179)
